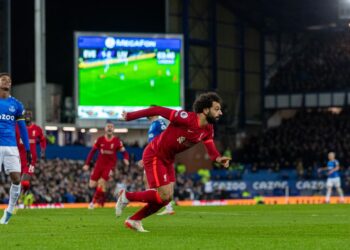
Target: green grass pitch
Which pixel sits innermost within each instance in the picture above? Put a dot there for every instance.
(137, 83)
(230, 227)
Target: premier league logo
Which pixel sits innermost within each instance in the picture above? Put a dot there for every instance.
(12, 109)
(183, 115)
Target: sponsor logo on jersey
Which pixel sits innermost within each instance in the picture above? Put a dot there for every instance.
(12, 109)
(7, 117)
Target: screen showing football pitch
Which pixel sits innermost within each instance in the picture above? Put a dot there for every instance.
(117, 72)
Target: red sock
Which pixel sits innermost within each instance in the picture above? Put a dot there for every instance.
(102, 198)
(148, 210)
(25, 185)
(97, 195)
(148, 196)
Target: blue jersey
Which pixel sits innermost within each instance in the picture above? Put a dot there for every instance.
(10, 111)
(156, 128)
(331, 165)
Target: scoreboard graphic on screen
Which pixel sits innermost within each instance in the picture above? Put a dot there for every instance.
(116, 72)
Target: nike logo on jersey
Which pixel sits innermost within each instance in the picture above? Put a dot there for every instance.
(189, 131)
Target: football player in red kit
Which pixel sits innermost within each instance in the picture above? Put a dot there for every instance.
(184, 131)
(107, 146)
(36, 135)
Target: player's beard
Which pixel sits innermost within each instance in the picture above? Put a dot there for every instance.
(211, 119)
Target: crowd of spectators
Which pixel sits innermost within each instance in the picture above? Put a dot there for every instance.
(322, 65)
(61, 181)
(57, 181)
(301, 142)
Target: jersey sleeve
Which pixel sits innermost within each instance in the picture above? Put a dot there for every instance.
(19, 111)
(124, 152)
(120, 144)
(210, 145)
(95, 147)
(41, 138)
(182, 117)
(164, 112)
(18, 136)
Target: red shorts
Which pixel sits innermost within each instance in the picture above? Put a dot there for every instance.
(158, 171)
(101, 172)
(25, 169)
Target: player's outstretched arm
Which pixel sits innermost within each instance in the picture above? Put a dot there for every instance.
(23, 133)
(25, 139)
(215, 155)
(322, 169)
(89, 158)
(164, 112)
(125, 156)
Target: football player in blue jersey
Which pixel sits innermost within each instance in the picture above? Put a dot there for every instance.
(156, 128)
(333, 177)
(11, 111)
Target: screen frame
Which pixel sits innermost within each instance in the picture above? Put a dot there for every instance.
(78, 34)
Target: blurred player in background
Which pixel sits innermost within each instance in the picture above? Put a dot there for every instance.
(36, 135)
(11, 111)
(156, 128)
(333, 177)
(185, 130)
(107, 146)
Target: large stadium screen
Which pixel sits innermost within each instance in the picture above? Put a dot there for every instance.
(116, 72)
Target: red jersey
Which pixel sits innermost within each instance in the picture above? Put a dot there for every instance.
(35, 135)
(107, 149)
(182, 133)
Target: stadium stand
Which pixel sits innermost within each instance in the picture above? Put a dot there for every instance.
(64, 181)
(300, 142)
(321, 66)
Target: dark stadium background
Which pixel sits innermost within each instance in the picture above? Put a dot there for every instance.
(62, 19)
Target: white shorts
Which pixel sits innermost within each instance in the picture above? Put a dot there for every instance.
(333, 182)
(9, 159)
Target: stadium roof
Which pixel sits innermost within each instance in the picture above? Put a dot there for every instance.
(285, 15)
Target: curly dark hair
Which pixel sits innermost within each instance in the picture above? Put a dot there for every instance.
(205, 100)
